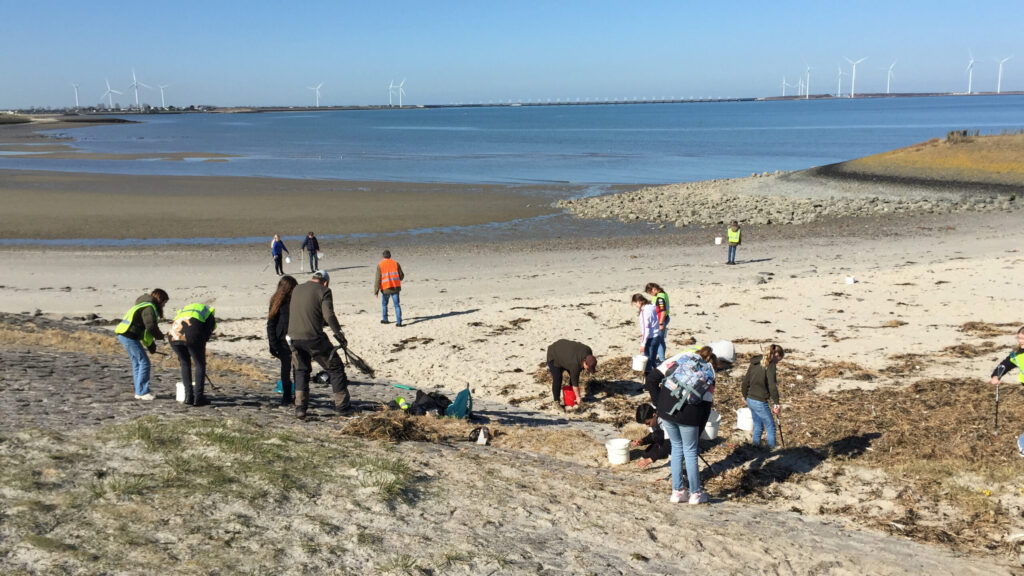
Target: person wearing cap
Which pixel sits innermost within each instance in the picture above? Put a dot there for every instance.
(193, 325)
(311, 245)
(138, 332)
(760, 387)
(574, 358)
(312, 307)
(388, 283)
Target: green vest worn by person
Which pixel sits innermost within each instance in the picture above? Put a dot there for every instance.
(734, 236)
(198, 311)
(664, 297)
(1017, 358)
(126, 322)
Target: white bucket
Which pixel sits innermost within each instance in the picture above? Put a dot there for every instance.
(287, 259)
(711, 428)
(179, 392)
(718, 239)
(851, 280)
(744, 420)
(319, 255)
(618, 450)
(639, 362)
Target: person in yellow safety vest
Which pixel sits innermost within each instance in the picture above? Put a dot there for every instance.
(137, 333)
(1014, 360)
(388, 283)
(734, 240)
(189, 334)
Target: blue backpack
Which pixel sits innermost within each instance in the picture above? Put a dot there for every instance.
(462, 406)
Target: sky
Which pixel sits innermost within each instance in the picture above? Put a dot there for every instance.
(256, 53)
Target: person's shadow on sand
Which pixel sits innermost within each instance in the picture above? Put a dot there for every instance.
(417, 319)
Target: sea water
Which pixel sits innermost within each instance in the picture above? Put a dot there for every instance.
(588, 144)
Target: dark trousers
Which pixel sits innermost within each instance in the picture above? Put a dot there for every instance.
(314, 262)
(323, 352)
(192, 351)
(286, 369)
(277, 265)
(556, 381)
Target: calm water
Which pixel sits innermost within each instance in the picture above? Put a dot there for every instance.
(642, 143)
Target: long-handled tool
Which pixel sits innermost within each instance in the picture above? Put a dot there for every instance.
(999, 374)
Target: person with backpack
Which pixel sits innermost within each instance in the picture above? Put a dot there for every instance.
(685, 395)
(277, 332)
(138, 332)
(723, 357)
(649, 333)
(192, 328)
(311, 245)
(574, 358)
(661, 305)
(760, 386)
(657, 443)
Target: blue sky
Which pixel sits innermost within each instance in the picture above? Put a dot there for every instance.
(267, 53)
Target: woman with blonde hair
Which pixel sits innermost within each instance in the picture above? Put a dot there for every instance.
(277, 329)
(760, 387)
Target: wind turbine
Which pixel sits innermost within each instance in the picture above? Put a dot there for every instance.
(784, 86)
(853, 75)
(75, 86)
(135, 86)
(807, 94)
(401, 92)
(970, 72)
(109, 94)
(839, 81)
(391, 92)
(888, 77)
(317, 90)
(999, 83)
(162, 103)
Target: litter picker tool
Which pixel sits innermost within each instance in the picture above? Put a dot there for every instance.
(267, 265)
(999, 374)
(210, 382)
(778, 424)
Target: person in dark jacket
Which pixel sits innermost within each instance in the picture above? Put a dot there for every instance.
(277, 331)
(658, 445)
(311, 308)
(192, 328)
(571, 357)
(760, 387)
(277, 250)
(138, 332)
(683, 416)
(311, 245)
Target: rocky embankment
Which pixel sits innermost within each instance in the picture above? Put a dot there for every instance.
(781, 198)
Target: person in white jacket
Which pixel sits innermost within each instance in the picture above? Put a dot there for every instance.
(650, 334)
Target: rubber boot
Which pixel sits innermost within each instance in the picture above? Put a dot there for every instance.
(301, 403)
(286, 394)
(198, 398)
(189, 398)
(342, 405)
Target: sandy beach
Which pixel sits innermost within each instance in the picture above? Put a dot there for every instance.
(892, 321)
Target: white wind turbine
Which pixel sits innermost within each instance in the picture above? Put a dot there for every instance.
(970, 72)
(135, 86)
(317, 90)
(999, 83)
(162, 103)
(109, 95)
(807, 93)
(800, 87)
(391, 93)
(888, 77)
(75, 86)
(839, 81)
(853, 75)
(401, 92)
(784, 86)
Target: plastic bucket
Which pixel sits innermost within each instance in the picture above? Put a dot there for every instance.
(744, 421)
(851, 280)
(718, 239)
(319, 255)
(711, 428)
(639, 362)
(618, 450)
(287, 259)
(179, 392)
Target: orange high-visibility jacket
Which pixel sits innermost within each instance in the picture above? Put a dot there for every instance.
(389, 277)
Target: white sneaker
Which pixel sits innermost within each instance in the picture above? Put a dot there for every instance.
(148, 396)
(679, 496)
(699, 498)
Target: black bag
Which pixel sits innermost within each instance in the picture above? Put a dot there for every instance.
(433, 403)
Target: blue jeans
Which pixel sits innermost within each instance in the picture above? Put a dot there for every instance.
(140, 363)
(661, 342)
(732, 253)
(684, 445)
(651, 351)
(314, 262)
(384, 306)
(762, 416)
